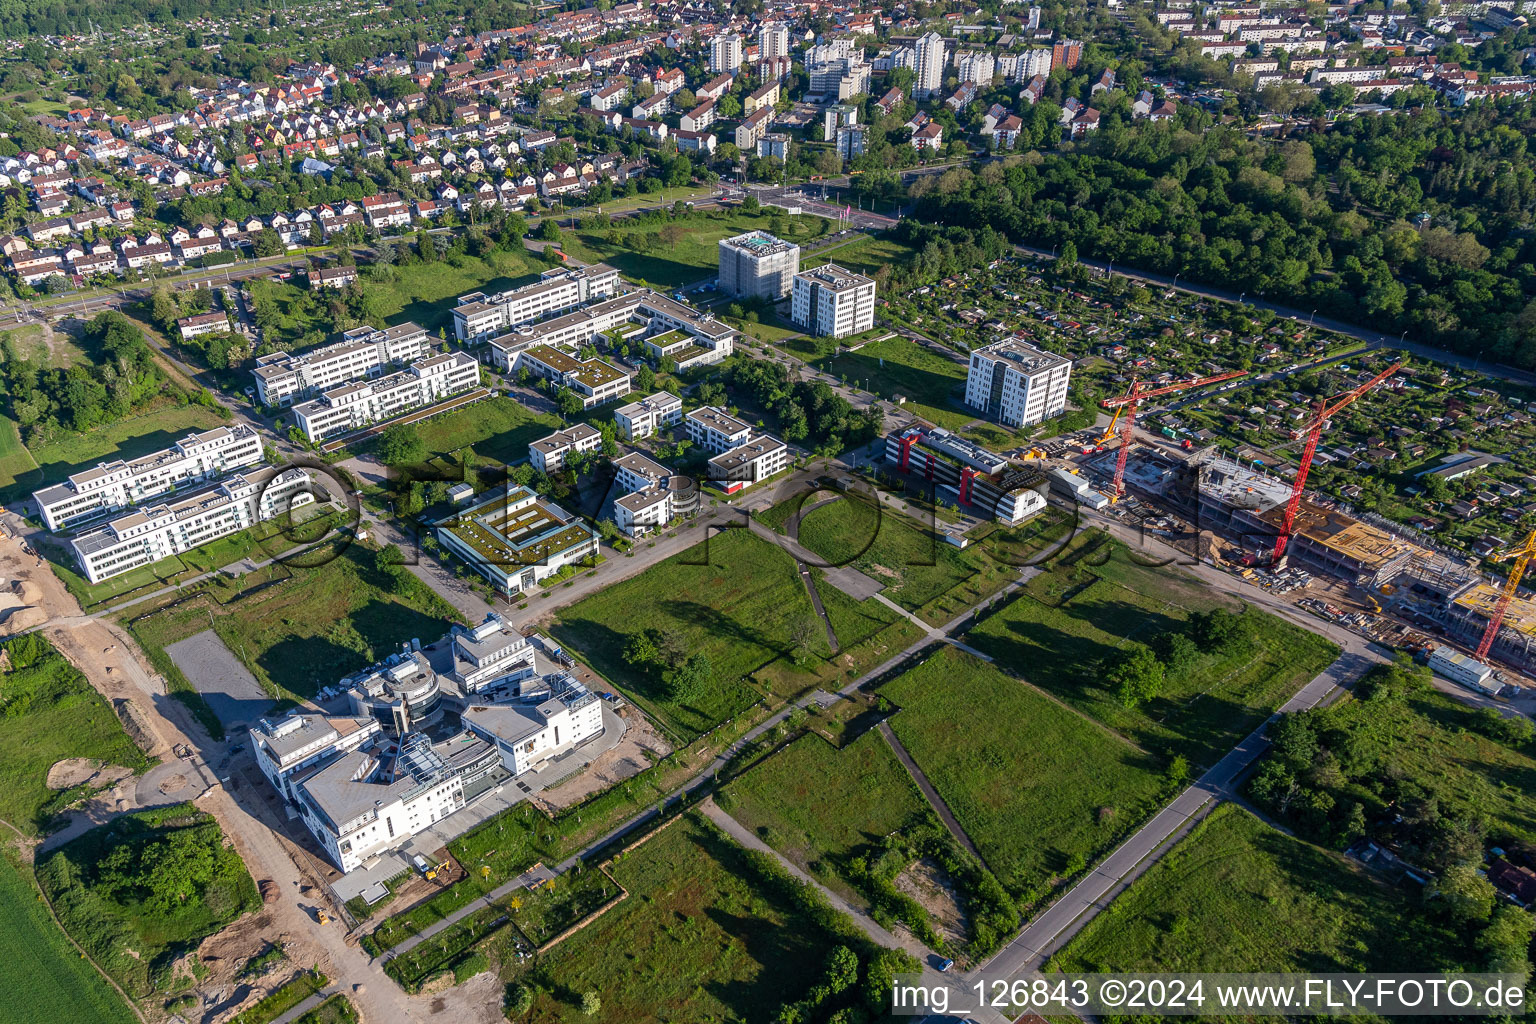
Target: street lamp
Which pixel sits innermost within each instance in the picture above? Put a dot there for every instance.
(1313, 317)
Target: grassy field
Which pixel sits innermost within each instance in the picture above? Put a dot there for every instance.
(1066, 621)
(915, 566)
(141, 891)
(695, 257)
(44, 978)
(1237, 895)
(499, 428)
(312, 625)
(1040, 790)
(30, 342)
(696, 941)
(932, 384)
(746, 611)
(51, 712)
(864, 257)
(127, 438)
(820, 806)
(424, 292)
(335, 1010)
(555, 906)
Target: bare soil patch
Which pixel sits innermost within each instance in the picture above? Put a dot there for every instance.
(932, 887)
(628, 758)
(84, 771)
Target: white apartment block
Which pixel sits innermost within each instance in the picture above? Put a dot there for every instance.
(282, 379)
(152, 532)
(112, 486)
(931, 53)
(725, 53)
(975, 66)
(753, 462)
(479, 317)
(758, 265)
(772, 41)
(715, 430)
(1016, 383)
(548, 454)
(832, 302)
(1021, 67)
(569, 332)
(649, 416)
(350, 407)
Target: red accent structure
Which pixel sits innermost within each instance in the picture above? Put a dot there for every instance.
(1326, 408)
(1522, 559)
(966, 475)
(1132, 399)
(906, 450)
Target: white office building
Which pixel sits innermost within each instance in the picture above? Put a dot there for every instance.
(931, 57)
(758, 265)
(652, 495)
(753, 462)
(112, 486)
(715, 430)
(1016, 383)
(548, 454)
(514, 538)
(350, 407)
(725, 53)
(147, 534)
(649, 416)
(831, 302)
(479, 317)
(362, 352)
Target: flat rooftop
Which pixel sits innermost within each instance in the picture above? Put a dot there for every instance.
(1029, 358)
(508, 529)
(758, 244)
(832, 276)
(1521, 614)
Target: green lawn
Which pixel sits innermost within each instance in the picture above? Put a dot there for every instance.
(311, 627)
(555, 906)
(700, 938)
(44, 978)
(1041, 790)
(1062, 626)
(1238, 896)
(143, 890)
(30, 342)
(746, 611)
(335, 1010)
(127, 438)
(864, 257)
(50, 712)
(425, 292)
(934, 386)
(695, 256)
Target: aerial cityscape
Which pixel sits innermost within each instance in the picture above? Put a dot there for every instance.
(770, 511)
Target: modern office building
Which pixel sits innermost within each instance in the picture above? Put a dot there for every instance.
(966, 473)
(715, 430)
(112, 486)
(350, 407)
(149, 533)
(514, 538)
(758, 265)
(479, 317)
(932, 55)
(594, 381)
(648, 416)
(653, 495)
(548, 454)
(831, 302)
(1016, 383)
(282, 379)
(725, 53)
(753, 462)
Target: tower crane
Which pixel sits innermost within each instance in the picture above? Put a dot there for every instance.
(1522, 559)
(1326, 408)
(1127, 405)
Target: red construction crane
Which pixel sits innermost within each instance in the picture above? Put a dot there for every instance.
(1522, 559)
(1326, 408)
(1128, 402)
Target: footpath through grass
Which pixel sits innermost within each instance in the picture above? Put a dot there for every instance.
(1237, 895)
(44, 979)
(738, 602)
(1069, 622)
(1042, 791)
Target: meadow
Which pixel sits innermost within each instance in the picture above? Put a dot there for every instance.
(50, 712)
(933, 384)
(1041, 790)
(1095, 598)
(44, 978)
(1237, 895)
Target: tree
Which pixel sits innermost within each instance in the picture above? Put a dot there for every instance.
(1506, 941)
(268, 243)
(401, 445)
(842, 969)
(1462, 894)
(1137, 675)
(569, 403)
(549, 230)
(591, 1003)
(519, 1001)
(645, 379)
(694, 676)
